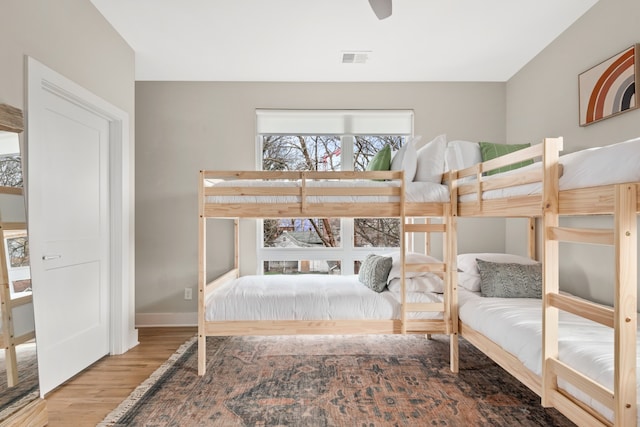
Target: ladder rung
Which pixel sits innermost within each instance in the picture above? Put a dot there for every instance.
(582, 382)
(587, 309)
(581, 235)
(426, 268)
(424, 306)
(425, 228)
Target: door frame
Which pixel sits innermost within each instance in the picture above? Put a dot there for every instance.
(42, 79)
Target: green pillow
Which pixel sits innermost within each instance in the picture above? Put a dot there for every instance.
(381, 161)
(489, 150)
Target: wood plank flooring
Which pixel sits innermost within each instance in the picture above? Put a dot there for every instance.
(88, 397)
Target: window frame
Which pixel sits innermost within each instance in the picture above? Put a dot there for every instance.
(347, 253)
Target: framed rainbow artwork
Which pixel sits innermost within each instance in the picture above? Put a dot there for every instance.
(609, 88)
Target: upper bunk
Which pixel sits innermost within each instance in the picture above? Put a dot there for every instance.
(298, 194)
(584, 182)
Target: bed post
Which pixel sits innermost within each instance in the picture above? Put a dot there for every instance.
(531, 237)
(550, 262)
(403, 251)
(451, 296)
(625, 310)
(202, 278)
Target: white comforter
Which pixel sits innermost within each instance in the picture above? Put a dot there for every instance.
(515, 324)
(307, 297)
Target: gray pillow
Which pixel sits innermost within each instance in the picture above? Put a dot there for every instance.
(510, 280)
(374, 272)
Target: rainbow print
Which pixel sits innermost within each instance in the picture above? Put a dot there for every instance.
(609, 88)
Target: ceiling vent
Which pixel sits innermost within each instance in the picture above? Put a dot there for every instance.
(359, 57)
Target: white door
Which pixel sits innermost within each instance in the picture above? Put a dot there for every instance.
(68, 212)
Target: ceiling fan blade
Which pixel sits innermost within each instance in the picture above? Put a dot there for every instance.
(382, 8)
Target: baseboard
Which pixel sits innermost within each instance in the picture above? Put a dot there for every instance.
(166, 319)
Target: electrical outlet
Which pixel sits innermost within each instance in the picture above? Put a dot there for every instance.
(187, 293)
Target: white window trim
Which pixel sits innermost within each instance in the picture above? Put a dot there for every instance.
(345, 124)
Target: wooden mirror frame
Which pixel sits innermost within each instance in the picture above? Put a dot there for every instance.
(34, 413)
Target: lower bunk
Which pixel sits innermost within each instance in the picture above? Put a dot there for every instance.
(321, 304)
(510, 331)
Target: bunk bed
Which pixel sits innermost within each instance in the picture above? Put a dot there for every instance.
(310, 194)
(579, 356)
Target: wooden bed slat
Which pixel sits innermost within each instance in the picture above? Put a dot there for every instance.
(581, 235)
(503, 358)
(296, 210)
(297, 191)
(576, 411)
(423, 326)
(301, 327)
(300, 175)
(582, 382)
(587, 309)
(521, 206)
(425, 228)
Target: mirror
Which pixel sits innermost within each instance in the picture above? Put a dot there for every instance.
(19, 391)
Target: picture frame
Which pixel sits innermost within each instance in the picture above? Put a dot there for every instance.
(608, 89)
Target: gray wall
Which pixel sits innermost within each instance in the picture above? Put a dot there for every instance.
(183, 127)
(542, 100)
(72, 38)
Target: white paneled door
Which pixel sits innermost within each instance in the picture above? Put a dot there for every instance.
(68, 212)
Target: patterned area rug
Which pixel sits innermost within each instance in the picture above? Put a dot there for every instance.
(369, 381)
(26, 390)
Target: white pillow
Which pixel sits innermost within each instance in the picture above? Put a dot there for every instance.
(410, 258)
(406, 159)
(470, 282)
(461, 154)
(431, 283)
(431, 160)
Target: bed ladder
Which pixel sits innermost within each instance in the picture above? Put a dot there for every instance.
(446, 269)
(622, 317)
(8, 338)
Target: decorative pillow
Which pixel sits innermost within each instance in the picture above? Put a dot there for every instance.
(430, 283)
(490, 151)
(461, 155)
(374, 272)
(431, 160)
(381, 161)
(509, 280)
(467, 262)
(406, 159)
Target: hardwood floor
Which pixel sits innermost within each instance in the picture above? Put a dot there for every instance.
(88, 397)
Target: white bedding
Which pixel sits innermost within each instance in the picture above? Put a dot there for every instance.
(414, 192)
(515, 324)
(308, 297)
(612, 164)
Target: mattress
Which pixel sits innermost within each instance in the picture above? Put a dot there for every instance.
(515, 324)
(308, 297)
(414, 191)
(611, 164)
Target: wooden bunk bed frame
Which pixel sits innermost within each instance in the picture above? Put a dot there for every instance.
(303, 208)
(622, 201)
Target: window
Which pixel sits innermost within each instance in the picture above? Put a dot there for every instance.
(325, 141)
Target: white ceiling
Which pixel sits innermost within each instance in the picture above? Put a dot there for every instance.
(303, 40)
